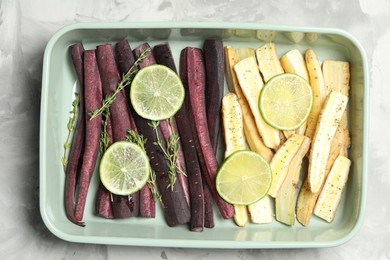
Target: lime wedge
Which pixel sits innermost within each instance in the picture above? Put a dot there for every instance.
(124, 168)
(243, 178)
(156, 92)
(285, 101)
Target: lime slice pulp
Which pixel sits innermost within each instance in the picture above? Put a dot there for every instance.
(285, 101)
(243, 178)
(156, 92)
(124, 168)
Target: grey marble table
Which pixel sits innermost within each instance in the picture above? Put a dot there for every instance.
(25, 28)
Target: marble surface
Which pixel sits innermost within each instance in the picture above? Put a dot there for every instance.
(25, 28)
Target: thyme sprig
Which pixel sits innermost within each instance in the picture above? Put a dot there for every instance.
(126, 81)
(105, 138)
(133, 137)
(71, 127)
(170, 152)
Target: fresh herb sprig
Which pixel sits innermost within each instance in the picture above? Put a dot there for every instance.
(170, 153)
(126, 81)
(71, 127)
(105, 138)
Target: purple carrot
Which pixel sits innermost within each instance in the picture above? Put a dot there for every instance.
(215, 80)
(119, 114)
(176, 210)
(149, 60)
(103, 205)
(125, 58)
(208, 208)
(147, 206)
(163, 55)
(167, 130)
(76, 151)
(193, 77)
(93, 100)
(125, 206)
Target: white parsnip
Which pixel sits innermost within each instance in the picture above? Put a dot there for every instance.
(261, 212)
(336, 78)
(293, 62)
(243, 53)
(270, 66)
(319, 89)
(281, 160)
(231, 59)
(233, 127)
(250, 129)
(305, 203)
(285, 200)
(321, 84)
(234, 139)
(268, 61)
(327, 124)
(330, 195)
(307, 199)
(251, 83)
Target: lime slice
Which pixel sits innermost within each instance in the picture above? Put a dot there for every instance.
(124, 168)
(285, 101)
(156, 92)
(243, 178)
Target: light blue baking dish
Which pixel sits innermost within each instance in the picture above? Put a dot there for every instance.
(59, 84)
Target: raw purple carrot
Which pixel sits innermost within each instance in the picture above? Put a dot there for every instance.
(93, 100)
(119, 114)
(176, 210)
(125, 58)
(122, 206)
(214, 65)
(103, 205)
(193, 77)
(147, 207)
(163, 55)
(208, 208)
(149, 60)
(168, 130)
(125, 206)
(76, 151)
